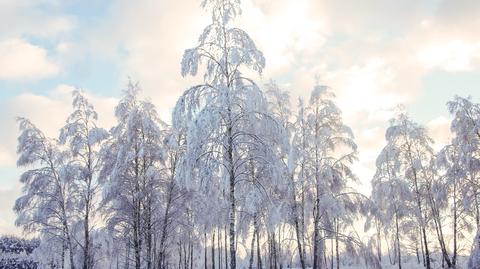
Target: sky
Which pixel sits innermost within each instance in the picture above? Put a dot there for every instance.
(374, 54)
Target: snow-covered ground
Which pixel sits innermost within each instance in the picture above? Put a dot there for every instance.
(409, 264)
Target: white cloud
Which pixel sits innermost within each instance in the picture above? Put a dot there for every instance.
(454, 55)
(439, 130)
(367, 89)
(48, 112)
(23, 20)
(62, 47)
(370, 142)
(22, 60)
(6, 157)
(33, 18)
(103, 105)
(147, 40)
(7, 219)
(285, 32)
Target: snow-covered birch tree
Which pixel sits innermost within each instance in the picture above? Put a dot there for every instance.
(47, 203)
(132, 160)
(329, 153)
(413, 150)
(390, 193)
(451, 194)
(466, 129)
(298, 166)
(219, 107)
(169, 190)
(84, 139)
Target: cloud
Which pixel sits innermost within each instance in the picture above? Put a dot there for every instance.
(7, 200)
(22, 60)
(146, 40)
(285, 31)
(439, 130)
(48, 112)
(451, 56)
(460, 16)
(42, 19)
(62, 94)
(6, 158)
(370, 142)
(369, 91)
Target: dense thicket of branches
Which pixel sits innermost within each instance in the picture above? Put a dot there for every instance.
(16, 253)
(241, 178)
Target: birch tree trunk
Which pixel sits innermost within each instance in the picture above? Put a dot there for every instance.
(213, 249)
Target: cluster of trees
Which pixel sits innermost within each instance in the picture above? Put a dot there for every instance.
(13, 244)
(427, 200)
(234, 166)
(238, 179)
(16, 253)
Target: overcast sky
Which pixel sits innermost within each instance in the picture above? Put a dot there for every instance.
(374, 54)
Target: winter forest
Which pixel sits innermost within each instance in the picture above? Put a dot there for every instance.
(244, 176)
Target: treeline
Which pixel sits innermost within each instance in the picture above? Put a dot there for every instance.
(16, 253)
(425, 200)
(239, 178)
(13, 244)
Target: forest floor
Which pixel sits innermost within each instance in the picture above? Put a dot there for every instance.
(409, 263)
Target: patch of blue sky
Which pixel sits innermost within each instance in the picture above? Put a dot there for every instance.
(15, 87)
(98, 75)
(87, 10)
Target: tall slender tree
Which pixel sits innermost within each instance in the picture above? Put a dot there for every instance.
(224, 102)
(132, 160)
(390, 191)
(466, 129)
(84, 140)
(414, 152)
(48, 200)
(330, 151)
